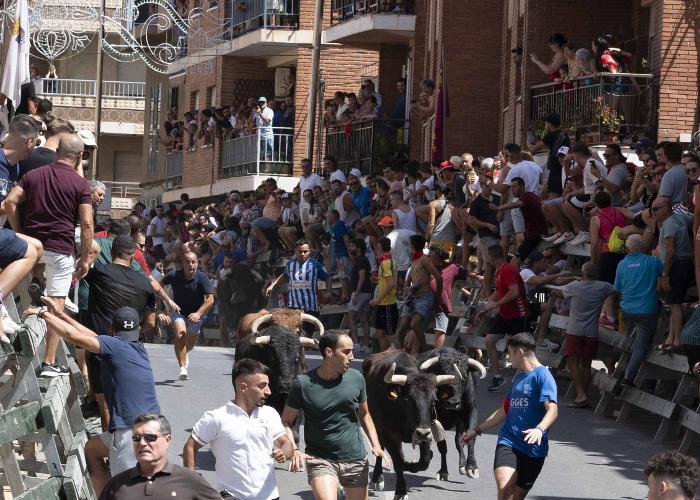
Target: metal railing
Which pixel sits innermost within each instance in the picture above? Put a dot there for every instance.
(250, 15)
(86, 88)
(124, 189)
(369, 142)
(173, 170)
(266, 152)
(597, 106)
(344, 10)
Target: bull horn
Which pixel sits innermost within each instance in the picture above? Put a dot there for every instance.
(478, 367)
(256, 324)
(314, 321)
(449, 379)
(390, 378)
(262, 340)
(309, 343)
(429, 362)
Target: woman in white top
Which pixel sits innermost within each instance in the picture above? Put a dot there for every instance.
(403, 215)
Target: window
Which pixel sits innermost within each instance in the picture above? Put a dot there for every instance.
(174, 97)
(211, 96)
(194, 101)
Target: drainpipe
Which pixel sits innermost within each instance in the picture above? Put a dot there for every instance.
(314, 83)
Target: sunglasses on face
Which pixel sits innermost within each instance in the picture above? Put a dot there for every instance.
(352, 184)
(149, 438)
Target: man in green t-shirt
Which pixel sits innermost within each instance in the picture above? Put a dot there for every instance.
(333, 398)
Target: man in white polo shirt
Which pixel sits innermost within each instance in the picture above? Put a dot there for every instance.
(245, 436)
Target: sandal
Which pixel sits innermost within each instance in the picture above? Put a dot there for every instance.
(579, 404)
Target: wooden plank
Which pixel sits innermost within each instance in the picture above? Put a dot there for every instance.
(558, 321)
(649, 402)
(549, 358)
(672, 362)
(576, 250)
(689, 420)
(47, 489)
(13, 475)
(333, 309)
(53, 404)
(32, 336)
(75, 485)
(18, 421)
(614, 339)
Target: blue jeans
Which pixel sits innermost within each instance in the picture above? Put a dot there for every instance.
(641, 327)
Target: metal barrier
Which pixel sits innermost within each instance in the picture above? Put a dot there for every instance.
(600, 105)
(344, 10)
(124, 189)
(86, 88)
(250, 15)
(263, 152)
(173, 170)
(362, 147)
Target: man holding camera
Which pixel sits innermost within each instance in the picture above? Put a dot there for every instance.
(263, 115)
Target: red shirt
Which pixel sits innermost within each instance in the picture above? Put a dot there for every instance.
(508, 275)
(535, 222)
(101, 234)
(138, 257)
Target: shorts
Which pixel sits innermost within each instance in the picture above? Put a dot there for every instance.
(190, 326)
(121, 450)
(59, 273)
(353, 474)
(421, 304)
(581, 346)
(501, 326)
(486, 242)
(387, 319)
(528, 246)
(505, 227)
(518, 220)
(526, 467)
(12, 247)
(264, 224)
(447, 245)
(607, 266)
(440, 322)
(580, 201)
(362, 303)
(692, 352)
(559, 202)
(638, 220)
(680, 277)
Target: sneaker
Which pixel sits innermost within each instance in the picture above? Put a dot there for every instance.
(54, 370)
(70, 306)
(496, 383)
(552, 237)
(183, 373)
(8, 326)
(567, 236)
(581, 238)
(547, 345)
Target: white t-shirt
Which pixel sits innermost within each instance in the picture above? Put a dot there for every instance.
(430, 193)
(305, 183)
(242, 446)
(528, 171)
(401, 248)
(588, 179)
(157, 227)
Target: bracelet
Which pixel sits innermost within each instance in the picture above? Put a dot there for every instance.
(477, 430)
(541, 429)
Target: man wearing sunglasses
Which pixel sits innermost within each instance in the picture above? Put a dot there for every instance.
(127, 377)
(154, 476)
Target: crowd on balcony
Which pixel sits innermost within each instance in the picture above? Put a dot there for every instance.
(203, 127)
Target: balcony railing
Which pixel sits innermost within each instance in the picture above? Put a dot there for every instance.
(369, 143)
(86, 88)
(250, 15)
(344, 10)
(261, 153)
(173, 170)
(598, 106)
(124, 189)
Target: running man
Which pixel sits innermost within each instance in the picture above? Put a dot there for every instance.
(528, 412)
(193, 294)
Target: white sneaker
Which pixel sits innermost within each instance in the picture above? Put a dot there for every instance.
(8, 325)
(563, 238)
(183, 373)
(552, 237)
(547, 345)
(70, 306)
(582, 238)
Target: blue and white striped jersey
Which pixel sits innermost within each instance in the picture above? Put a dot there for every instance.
(303, 280)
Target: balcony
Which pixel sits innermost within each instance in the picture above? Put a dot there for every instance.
(369, 145)
(74, 100)
(605, 107)
(371, 21)
(258, 154)
(123, 194)
(173, 170)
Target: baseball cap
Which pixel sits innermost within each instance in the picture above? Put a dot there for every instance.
(643, 143)
(446, 168)
(564, 150)
(262, 99)
(355, 172)
(285, 196)
(386, 221)
(88, 138)
(126, 323)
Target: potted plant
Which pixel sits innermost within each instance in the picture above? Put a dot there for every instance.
(609, 120)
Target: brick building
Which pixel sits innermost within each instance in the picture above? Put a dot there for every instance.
(492, 99)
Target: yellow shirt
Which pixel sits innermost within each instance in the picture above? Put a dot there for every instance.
(386, 270)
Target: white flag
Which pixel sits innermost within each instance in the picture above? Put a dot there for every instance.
(16, 71)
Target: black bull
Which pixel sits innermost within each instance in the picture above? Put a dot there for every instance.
(401, 401)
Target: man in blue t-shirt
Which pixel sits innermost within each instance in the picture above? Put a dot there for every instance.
(339, 260)
(128, 382)
(528, 412)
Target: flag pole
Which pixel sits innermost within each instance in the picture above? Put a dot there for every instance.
(444, 102)
(98, 93)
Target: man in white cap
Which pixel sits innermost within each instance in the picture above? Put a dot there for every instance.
(360, 195)
(308, 180)
(263, 115)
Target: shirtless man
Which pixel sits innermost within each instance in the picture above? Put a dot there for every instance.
(420, 302)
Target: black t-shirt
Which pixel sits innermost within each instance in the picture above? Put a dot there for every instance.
(39, 157)
(457, 196)
(188, 294)
(27, 91)
(113, 286)
(555, 140)
(360, 262)
(480, 210)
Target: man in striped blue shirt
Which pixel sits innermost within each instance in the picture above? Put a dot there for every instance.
(302, 273)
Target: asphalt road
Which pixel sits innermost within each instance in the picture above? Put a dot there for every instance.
(590, 457)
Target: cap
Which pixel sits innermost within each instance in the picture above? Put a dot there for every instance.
(234, 197)
(355, 172)
(126, 323)
(564, 150)
(262, 99)
(446, 163)
(88, 138)
(446, 168)
(285, 196)
(643, 143)
(386, 221)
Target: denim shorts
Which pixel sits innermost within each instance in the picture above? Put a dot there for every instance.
(421, 304)
(190, 326)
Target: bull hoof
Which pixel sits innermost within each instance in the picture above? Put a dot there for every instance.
(473, 473)
(400, 497)
(441, 476)
(377, 485)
